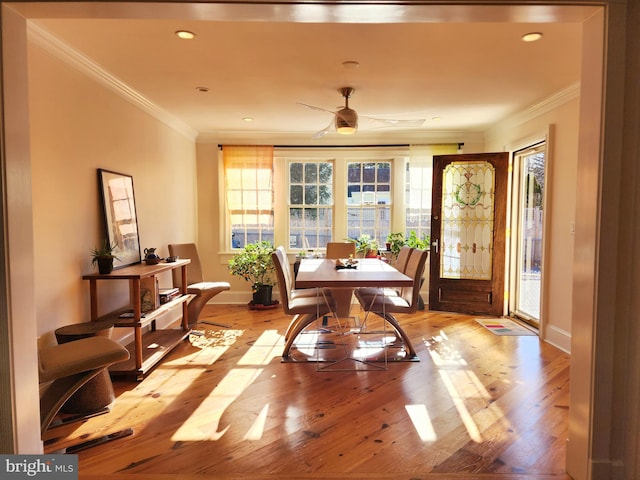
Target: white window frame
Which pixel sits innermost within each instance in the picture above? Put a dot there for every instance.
(340, 156)
(318, 206)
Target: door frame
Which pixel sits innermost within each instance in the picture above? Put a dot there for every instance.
(514, 220)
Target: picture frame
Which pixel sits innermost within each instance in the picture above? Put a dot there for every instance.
(120, 217)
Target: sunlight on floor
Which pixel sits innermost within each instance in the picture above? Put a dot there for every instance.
(257, 429)
(422, 422)
(463, 386)
(204, 422)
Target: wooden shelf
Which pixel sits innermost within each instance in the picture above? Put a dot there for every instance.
(138, 271)
(148, 347)
(155, 345)
(147, 317)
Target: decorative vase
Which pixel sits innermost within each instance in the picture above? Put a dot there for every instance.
(150, 256)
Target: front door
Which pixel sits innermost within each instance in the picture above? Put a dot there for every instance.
(468, 225)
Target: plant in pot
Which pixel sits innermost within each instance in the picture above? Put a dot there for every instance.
(395, 241)
(255, 265)
(366, 246)
(414, 241)
(104, 257)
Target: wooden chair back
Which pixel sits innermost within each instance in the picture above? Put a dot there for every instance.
(340, 249)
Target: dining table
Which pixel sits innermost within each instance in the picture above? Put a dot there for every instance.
(337, 274)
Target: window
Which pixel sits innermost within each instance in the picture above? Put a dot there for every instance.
(303, 198)
(418, 187)
(310, 204)
(369, 199)
(418, 178)
(249, 191)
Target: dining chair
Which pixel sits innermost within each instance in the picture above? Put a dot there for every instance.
(343, 296)
(196, 285)
(340, 249)
(402, 258)
(290, 280)
(400, 265)
(406, 301)
(306, 306)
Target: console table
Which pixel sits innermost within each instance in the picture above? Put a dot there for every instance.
(148, 347)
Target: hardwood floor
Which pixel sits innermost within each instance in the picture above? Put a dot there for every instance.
(223, 405)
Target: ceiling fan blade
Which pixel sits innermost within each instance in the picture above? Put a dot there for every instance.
(325, 130)
(312, 107)
(396, 123)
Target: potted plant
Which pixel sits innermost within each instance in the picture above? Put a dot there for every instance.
(417, 242)
(255, 265)
(395, 241)
(366, 246)
(104, 257)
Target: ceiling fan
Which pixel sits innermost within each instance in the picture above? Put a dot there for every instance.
(345, 120)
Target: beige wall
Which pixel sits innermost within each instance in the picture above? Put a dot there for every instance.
(562, 159)
(78, 126)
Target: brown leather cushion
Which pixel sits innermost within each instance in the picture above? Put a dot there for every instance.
(82, 355)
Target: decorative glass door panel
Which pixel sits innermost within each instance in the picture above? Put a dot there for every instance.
(467, 220)
(467, 261)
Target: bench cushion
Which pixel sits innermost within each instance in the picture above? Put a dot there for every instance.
(59, 361)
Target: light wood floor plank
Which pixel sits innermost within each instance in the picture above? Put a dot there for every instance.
(224, 406)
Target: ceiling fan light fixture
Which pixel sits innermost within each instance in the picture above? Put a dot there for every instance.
(346, 121)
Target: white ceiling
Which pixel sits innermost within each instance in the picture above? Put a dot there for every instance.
(469, 71)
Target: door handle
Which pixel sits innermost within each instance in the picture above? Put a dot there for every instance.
(434, 244)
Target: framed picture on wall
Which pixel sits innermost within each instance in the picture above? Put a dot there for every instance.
(121, 221)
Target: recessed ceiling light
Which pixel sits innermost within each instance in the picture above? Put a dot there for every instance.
(247, 119)
(350, 64)
(436, 119)
(185, 34)
(202, 89)
(531, 37)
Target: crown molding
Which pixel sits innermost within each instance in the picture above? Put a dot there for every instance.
(537, 109)
(360, 138)
(41, 37)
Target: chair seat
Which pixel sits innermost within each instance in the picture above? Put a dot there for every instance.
(386, 303)
(307, 292)
(206, 287)
(371, 291)
(310, 305)
(67, 359)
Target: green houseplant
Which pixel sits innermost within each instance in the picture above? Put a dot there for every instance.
(255, 265)
(395, 241)
(414, 241)
(365, 245)
(104, 256)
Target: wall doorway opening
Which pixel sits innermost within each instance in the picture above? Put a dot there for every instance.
(527, 236)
